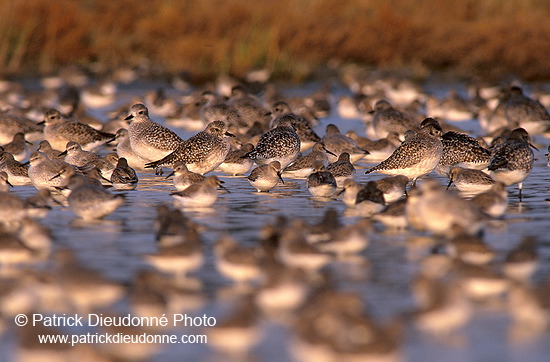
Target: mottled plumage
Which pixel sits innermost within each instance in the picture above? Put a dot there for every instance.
(469, 180)
(512, 161)
(418, 155)
(342, 169)
(303, 165)
(148, 139)
(338, 143)
(58, 131)
(18, 173)
(202, 152)
(461, 150)
(282, 144)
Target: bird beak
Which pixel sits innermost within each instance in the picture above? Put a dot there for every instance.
(330, 153)
(224, 188)
(170, 175)
(8, 183)
(41, 122)
(129, 117)
(267, 114)
(57, 175)
(530, 144)
(63, 154)
(340, 192)
(281, 178)
(27, 142)
(229, 134)
(449, 184)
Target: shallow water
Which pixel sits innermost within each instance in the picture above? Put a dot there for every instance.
(115, 247)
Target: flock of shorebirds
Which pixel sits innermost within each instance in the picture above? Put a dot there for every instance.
(76, 162)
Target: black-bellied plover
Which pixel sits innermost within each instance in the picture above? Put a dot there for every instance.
(234, 164)
(58, 131)
(202, 152)
(47, 173)
(512, 161)
(417, 156)
(123, 176)
(201, 195)
(265, 177)
(302, 167)
(337, 143)
(183, 178)
(461, 150)
(76, 156)
(149, 139)
(18, 173)
(90, 201)
(470, 181)
(282, 144)
(342, 169)
(321, 183)
(303, 127)
(124, 149)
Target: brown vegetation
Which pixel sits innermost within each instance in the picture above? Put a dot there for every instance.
(487, 38)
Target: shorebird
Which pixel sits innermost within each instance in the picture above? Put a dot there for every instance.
(58, 131)
(461, 150)
(90, 201)
(470, 181)
(124, 177)
(234, 164)
(342, 169)
(512, 161)
(18, 173)
(46, 173)
(148, 139)
(124, 149)
(183, 178)
(417, 156)
(202, 194)
(282, 144)
(202, 152)
(321, 183)
(338, 143)
(265, 177)
(302, 167)
(76, 156)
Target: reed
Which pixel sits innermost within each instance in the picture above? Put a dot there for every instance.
(490, 38)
